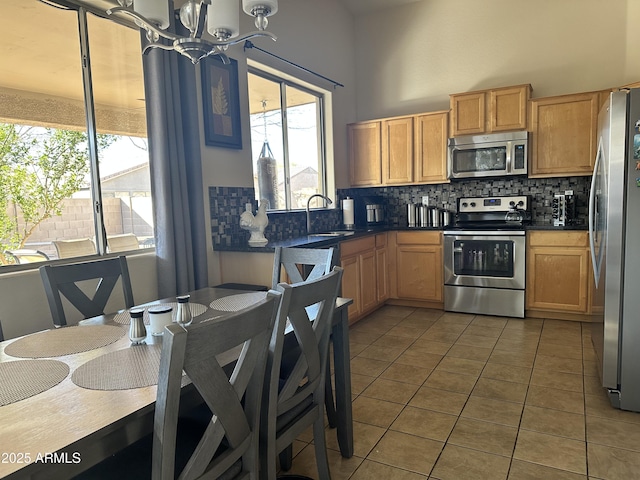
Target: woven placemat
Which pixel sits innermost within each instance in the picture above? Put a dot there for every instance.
(124, 318)
(233, 303)
(134, 367)
(25, 378)
(64, 341)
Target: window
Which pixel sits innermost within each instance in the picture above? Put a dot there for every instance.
(287, 140)
(62, 178)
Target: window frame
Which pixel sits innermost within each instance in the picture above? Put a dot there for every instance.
(93, 157)
(323, 97)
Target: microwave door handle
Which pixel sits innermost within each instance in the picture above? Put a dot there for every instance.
(509, 155)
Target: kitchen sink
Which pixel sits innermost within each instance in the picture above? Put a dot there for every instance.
(333, 234)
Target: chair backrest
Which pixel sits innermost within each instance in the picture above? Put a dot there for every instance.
(234, 400)
(307, 308)
(122, 243)
(297, 261)
(64, 279)
(75, 248)
(25, 255)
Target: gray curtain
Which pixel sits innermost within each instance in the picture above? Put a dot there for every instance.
(176, 172)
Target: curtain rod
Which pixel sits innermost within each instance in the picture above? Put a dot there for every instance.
(248, 44)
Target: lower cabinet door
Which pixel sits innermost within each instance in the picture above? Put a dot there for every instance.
(419, 272)
(351, 285)
(368, 280)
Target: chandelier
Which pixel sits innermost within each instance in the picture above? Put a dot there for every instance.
(222, 19)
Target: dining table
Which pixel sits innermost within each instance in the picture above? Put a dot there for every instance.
(71, 397)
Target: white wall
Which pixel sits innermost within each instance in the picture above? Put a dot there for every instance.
(410, 58)
(24, 303)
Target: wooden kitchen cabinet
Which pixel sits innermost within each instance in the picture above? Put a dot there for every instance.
(490, 111)
(397, 151)
(418, 266)
(563, 135)
(365, 150)
(360, 276)
(382, 268)
(431, 132)
(558, 265)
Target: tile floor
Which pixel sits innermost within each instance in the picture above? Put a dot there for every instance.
(453, 396)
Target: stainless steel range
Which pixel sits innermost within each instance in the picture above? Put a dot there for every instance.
(484, 256)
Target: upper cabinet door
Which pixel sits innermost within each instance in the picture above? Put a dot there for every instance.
(564, 131)
(365, 153)
(468, 113)
(508, 108)
(397, 151)
(431, 133)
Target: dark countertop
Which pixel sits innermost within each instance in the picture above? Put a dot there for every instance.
(318, 241)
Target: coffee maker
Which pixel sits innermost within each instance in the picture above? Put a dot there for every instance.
(563, 209)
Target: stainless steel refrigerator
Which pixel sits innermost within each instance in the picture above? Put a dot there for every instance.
(614, 232)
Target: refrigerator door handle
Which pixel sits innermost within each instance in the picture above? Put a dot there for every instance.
(592, 215)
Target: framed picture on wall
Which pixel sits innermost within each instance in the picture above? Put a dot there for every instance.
(221, 103)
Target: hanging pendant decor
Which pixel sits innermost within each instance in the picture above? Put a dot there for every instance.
(267, 169)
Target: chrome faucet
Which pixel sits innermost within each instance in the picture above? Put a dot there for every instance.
(328, 200)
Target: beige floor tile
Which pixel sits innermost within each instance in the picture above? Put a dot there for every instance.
(552, 451)
(439, 400)
(341, 468)
(424, 423)
(365, 437)
(558, 364)
(423, 314)
(376, 352)
(442, 337)
(452, 382)
(356, 348)
(521, 345)
(463, 366)
(564, 400)
(483, 331)
(508, 373)
(369, 470)
(363, 337)
(438, 348)
(395, 311)
(508, 357)
(492, 410)
(368, 366)
(484, 436)
(360, 382)
(510, 333)
(592, 385)
(530, 471)
(590, 368)
(613, 433)
(559, 380)
(406, 373)
(453, 317)
(448, 328)
(500, 390)
(564, 351)
(409, 331)
(397, 392)
(476, 341)
(458, 463)
(419, 357)
(600, 406)
(375, 412)
(613, 463)
(472, 353)
(393, 341)
(489, 321)
(412, 453)
(377, 328)
(553, 422)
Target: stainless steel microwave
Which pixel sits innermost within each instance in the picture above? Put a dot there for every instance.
(490, 155)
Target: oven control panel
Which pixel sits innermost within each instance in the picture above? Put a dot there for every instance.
(492, 204)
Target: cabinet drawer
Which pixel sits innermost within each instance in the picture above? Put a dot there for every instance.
(352, 247)
(421, 238)
(558, 239)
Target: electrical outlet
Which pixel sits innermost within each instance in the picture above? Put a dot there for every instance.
(425, 200)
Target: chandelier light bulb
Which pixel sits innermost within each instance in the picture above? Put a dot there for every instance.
(223, 19)
(260, 9)
(157, 12)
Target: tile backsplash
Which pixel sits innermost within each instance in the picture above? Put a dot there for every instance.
(227, 204)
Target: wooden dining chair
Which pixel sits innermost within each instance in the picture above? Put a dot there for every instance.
(304, 264)
(63, 280)
(293, 399)
(301, 264)
(226, 445)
